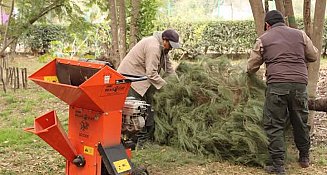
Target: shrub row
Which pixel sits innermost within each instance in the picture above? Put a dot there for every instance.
(223, 37)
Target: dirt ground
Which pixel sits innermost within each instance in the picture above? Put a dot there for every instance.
(320, 121)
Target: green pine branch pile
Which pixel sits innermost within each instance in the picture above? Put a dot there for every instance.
(214, 109)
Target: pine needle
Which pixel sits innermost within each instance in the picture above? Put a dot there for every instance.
(214, 109)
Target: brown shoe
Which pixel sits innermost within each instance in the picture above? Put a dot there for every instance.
(304, 161)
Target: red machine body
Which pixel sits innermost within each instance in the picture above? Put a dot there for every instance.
(95, 94)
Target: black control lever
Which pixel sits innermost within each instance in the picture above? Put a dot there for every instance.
(96, 61)
(131, 78)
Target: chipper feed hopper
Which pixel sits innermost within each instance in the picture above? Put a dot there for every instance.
(96, 96)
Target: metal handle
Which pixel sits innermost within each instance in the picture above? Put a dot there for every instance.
(131, 78)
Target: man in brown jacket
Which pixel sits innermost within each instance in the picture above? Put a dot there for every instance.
(285, 51)
(147, 58)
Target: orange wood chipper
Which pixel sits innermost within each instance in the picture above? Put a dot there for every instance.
(96, 95)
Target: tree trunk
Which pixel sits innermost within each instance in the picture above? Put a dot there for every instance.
(313, 68)
(7, 27)
(266, 6)
(114, 32)
(280, 6)
(122, 28)
(319, 104)
(258, 15)
(307, 17)
(290, 13)
(134, 25)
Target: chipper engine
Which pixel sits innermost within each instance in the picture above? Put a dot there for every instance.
(101, 119)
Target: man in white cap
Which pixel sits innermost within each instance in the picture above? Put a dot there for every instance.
(147, 58)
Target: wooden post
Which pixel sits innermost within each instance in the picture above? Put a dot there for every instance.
(4, 62)
(25, 77)
(17, 77)
(13, 79)
(7, 75)
(11, 74)
(4, 85)
(2, 81)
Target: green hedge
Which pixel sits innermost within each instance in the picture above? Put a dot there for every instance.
(222, 37)
(229, 37)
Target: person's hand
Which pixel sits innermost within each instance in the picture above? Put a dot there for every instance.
(248, 73)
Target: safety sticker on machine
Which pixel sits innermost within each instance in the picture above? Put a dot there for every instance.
(106, 79)
(122, 165)
(53, 79)
(88, 150)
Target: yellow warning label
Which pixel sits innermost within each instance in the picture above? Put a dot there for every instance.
(88, 150)
(122, 165)
(53, 79)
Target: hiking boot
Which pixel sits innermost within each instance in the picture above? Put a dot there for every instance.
(304, 161)
(279, 170)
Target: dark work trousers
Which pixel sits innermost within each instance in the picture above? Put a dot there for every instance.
(286, 101)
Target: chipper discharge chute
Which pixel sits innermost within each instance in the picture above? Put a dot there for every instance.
(96, 96)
